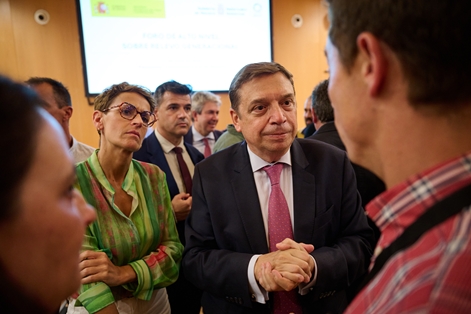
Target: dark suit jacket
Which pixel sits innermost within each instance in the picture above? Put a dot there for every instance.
(152, 152)
(225, 227)
(368, 184)
(188, 138)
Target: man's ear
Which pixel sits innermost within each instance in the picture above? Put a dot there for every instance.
(235, 119)
(374, 65)
(194, 115)
(314, 116)
(68, 110)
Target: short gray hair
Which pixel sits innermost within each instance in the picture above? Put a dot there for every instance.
(200, 98)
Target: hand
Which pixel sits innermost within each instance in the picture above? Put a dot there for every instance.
(289, 267)
(291, 244)
(97, 267)
(287, 244)
(181, 204)
(271, 280)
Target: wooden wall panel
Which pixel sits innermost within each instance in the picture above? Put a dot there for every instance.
(301, 50)
(52, 50)
(8, 61)
(29, 49)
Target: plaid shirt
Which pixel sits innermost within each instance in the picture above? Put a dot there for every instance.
(147, 240)
(434, 274)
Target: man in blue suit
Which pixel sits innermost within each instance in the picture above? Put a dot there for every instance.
(205, 115)
(230, 252)
(173, 108)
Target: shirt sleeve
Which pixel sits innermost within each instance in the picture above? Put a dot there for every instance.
(98, 295)
(160, 268)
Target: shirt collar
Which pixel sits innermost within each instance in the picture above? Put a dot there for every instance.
(198, 137)
(167, 147)
(258, 163)
(100, 175)
(402, 204)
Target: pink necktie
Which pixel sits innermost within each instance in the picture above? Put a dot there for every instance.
(207, 148)
(279, 228)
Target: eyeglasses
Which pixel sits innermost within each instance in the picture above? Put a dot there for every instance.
(129, 112)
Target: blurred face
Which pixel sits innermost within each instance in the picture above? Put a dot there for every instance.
(41, 243)
(308, 111)
(346, 93)
(118, 132)
(267, 115)
(206, 122)
(46, 93)
(173, 116)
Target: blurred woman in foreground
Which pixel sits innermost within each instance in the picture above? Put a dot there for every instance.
(132, 251)
(42, 217)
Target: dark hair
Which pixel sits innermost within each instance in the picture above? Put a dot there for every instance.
(431, 39)
(172, 87)
(251, 71)
(61, 93)
(19, 123)
(321, 102)
(104, 100)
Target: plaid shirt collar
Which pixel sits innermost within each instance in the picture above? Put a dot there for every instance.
(395, 209)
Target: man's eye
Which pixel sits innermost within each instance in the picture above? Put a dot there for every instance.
(188, 109)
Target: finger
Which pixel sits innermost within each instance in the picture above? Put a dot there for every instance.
(283, 282)
(297, 273)
(264, 279)
(308, 247)
(291, 244)
(294, 277)
(89, 254)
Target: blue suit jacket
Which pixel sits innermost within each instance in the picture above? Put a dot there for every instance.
(225, 227)
(152, 152)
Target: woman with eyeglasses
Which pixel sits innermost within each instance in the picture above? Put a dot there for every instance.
(132, 251)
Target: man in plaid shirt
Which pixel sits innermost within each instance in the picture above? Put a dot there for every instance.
(400, 78)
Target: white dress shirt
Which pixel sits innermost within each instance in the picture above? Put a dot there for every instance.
(198, 140)
(262, 182)
(172, 161)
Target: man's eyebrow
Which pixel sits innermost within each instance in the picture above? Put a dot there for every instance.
(264, 100)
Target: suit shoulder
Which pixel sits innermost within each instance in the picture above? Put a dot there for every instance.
(194, 153)
(312, 143)
(217, 134)
(223, 159)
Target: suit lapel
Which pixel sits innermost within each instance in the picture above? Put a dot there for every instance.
(304, 195)
(246, 198)
(157, 157)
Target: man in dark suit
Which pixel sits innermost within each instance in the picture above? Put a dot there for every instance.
(368, 184)
(230, 252)
(173, 107)
(205, 115)
(310, 127)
